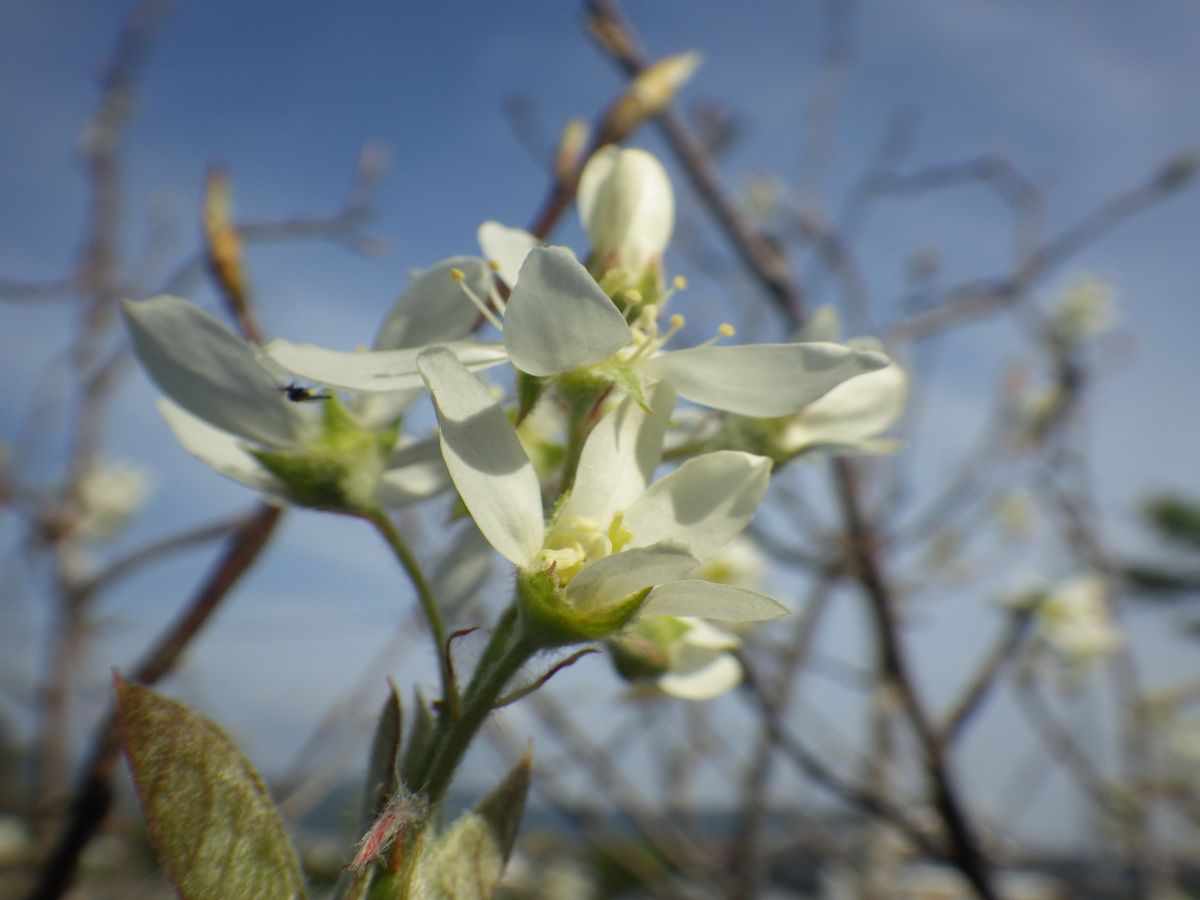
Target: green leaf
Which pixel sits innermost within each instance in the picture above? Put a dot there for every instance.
(418, 742)
(211, 820)
(1175, 518)
(383, 768)
(467, 861)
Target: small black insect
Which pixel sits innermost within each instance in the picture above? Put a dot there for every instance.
(298, 393)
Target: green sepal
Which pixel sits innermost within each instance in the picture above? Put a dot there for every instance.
(529, 390)
(549, 620)
(643, 650)
(211, 820)
(339, 470)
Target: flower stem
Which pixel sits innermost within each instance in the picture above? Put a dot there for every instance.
(433, 616)
(511, 648)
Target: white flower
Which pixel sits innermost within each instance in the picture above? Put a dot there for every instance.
(1085, 310)
(850, 418)
(616, 535)
(627, 207)
(229, 406)
(685, 657)
(108, 495)
(558, 320)
(1074, 621)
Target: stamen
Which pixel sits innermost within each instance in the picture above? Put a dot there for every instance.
(484, 310)
(724, 330)
(678, 283)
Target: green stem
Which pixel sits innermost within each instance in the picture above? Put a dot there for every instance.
(508, 651)
(433, 615)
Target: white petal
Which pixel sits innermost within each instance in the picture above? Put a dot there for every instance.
(705, 503)
(627, 206)
(462, 572)
(761, 380)
(507, 247)
(701, 634)
(853, 412)
(377, 370)
(434, 307)
(701, 674)
(615, 577)
(620, 456)
(219, 449)
(711, 601)
(414, 472)
(210, 372)
(558, 319)
(494, 477)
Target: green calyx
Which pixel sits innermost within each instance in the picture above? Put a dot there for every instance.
(339, 470)
(549, 620)
(643, 651)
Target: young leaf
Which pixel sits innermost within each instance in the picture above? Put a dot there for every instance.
(467, 861)
(382, 770)
(215, 829)
(418, 741)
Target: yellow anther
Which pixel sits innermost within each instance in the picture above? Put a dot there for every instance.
(492, 264)
(458, 274)
(677, 321)
(632, 296)
(726, 330)
(680, 282)
(360, 348)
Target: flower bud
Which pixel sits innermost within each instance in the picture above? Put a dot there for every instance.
(627, 207)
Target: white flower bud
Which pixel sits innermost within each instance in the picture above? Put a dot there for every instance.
(627, 207)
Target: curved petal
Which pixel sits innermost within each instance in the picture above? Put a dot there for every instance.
(434, 307)
(414, 472)
(378, 370)
(557, 318)
(210, 372)
(853, 412)
(494, 477)
(700, 673)
(462, 572)
(711, 601)
(701, 634)
(705, 503)
(612, 579)
(507, 248)
(761, 380)
(620, 456)
(219, 449)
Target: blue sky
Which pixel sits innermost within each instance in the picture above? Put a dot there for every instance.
(1083, 97)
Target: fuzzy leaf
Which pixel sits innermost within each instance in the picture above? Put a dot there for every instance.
(212, 822)
(382, 770)
(466, 862)
(418, 741)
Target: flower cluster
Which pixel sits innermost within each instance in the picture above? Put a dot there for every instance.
(603, 550)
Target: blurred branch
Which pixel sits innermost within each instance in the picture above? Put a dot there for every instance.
(617, 39)
(986, 677)
(153, 551)
(979, 298)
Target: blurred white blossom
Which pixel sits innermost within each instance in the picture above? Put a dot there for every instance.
(109, 494)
